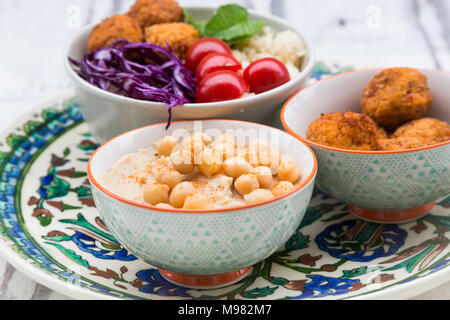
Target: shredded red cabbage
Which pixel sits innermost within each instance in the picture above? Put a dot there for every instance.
(141, 70)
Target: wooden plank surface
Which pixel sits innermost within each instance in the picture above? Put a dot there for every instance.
(359, 33)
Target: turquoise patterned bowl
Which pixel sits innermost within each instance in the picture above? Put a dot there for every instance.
(379, 186)
(203, 248)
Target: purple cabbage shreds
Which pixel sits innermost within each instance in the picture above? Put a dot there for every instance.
(143, 71)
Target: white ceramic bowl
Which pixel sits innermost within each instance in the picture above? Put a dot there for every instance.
(109, 114)
(202, 248)
(381, 186)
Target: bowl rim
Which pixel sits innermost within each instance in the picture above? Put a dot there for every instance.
(310, 56)
(297, 188)
(318, 145)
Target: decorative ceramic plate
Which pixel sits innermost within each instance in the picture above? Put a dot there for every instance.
(50, 230)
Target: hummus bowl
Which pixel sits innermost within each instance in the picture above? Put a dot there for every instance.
(379, 186)
(202, 248)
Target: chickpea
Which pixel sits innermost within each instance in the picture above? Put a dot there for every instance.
(224, 149)
(236, 166)
(259, 145)
(197, 201)
(169, 177)
(182, 161)
(176, 148)
(165, 145)
(155, 193)
(246, 183)
(241, 150)
(258, 195)
(210, 163)
(224, 138)
(251, 156)
(264, 175)
(205, 138)
(199, 136)
(269, 158)
(288, 171)
(164, 205)
(281, 187)
(180, 192)
(194, 144)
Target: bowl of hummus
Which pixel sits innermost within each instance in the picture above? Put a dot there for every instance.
(204, 200)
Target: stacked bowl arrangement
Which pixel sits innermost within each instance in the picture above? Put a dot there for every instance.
(125, 125)
(378, 186)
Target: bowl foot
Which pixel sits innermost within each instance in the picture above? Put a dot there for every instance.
(205, 281)
(391, 216)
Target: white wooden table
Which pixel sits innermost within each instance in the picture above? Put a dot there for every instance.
(361, 33)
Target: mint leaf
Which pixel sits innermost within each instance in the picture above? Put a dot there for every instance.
(240, 31)
(230, 23)
(225, 17)
(199, 25)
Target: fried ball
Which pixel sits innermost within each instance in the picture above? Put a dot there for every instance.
(399, 143)
(429, 131)
(381, 133)
(396, 96)
(345, 130)
(149, 12)
(114, 28)
(179, 35)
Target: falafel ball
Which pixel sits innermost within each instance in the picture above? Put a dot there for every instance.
(418, 133)
(381, 133)
(400, 143)
(345, 130)
(149, 12)
(179, 35)
(113, 28)
(428, 130)
(396, 96)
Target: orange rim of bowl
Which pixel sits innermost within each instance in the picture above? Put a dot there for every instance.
(234, 208)
(292, 132)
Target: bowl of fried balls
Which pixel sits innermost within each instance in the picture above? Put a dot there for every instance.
(381, 137)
